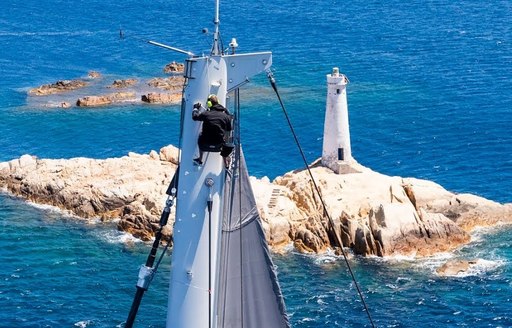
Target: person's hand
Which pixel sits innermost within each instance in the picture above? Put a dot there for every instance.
(197, 105)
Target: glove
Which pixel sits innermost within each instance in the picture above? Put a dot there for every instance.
(197, 111)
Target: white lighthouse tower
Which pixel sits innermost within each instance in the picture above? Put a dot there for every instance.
(336, 153)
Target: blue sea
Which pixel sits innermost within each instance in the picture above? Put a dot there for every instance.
(430, 96)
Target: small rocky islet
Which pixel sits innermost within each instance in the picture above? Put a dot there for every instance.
(373, 214)
(158, 90)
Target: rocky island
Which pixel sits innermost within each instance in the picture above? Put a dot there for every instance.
(374, 214)
(158, 90)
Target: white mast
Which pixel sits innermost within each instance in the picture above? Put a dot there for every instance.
(194, 264)
(336, 153)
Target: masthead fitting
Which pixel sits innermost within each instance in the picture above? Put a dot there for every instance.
(233, 43)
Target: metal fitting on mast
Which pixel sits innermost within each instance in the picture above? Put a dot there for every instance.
(216, 49)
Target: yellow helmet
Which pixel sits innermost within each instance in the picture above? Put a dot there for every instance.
(212, 100)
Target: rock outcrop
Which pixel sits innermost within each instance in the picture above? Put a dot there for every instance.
(455, 267)
(371, 213)
(95, 101)
(126, 83)
(173, 83)
(174, 68)
(94, 75)
(115, 188)
(147, 92)
(161, 98)
(57, 87)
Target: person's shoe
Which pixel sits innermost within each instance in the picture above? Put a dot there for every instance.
(198, 162)
(227, 162)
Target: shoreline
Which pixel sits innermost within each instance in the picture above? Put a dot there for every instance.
(370, 210)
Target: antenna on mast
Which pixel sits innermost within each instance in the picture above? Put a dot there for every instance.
(216, 50)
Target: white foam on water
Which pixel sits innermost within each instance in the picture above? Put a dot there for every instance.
(307, 319)
(117, 237)
(434, 261)
(482, 266)
(83, 324)
(480, 233)
(325, 258)
(289, 248)
(55, 209)
(395, 258)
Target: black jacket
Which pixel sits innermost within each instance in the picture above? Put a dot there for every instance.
(216, 124)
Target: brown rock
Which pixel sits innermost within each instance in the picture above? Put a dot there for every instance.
(57, 87)
(174, 67)
(161, 98)
(123, 83)
(94, 75)
(380, 215)
(111, 188)
(95, 101)
(454, 267)
(173, 83)
(169, 154)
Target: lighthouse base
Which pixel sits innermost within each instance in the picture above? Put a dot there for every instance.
(341, 167)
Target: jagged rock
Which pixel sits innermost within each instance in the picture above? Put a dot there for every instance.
(107, 189)
(173, 83)
(454, 267)
(380, 215)
(123, 83)
(57, 87)
(372, 214)
(174, 67)
(169, 154)
(161, 98)
(95, 101)
(94, 75)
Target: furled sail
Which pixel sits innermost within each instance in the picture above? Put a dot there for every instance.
(249, 293)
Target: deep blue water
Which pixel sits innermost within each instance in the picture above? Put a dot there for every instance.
(430, 97)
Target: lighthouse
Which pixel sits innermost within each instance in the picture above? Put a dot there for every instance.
(336, 152)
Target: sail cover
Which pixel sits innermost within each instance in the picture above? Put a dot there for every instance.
(249, 294)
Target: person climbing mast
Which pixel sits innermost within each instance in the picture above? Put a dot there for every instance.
(216, 126)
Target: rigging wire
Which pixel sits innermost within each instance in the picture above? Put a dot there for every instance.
(326, 213)
(150, 268)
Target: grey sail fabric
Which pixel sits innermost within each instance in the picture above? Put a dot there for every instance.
(249, 294)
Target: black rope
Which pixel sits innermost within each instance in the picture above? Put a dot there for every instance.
(141, 289)
(158, 236)
(331, 222)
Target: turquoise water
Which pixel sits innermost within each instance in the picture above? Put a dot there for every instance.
(429, 97)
